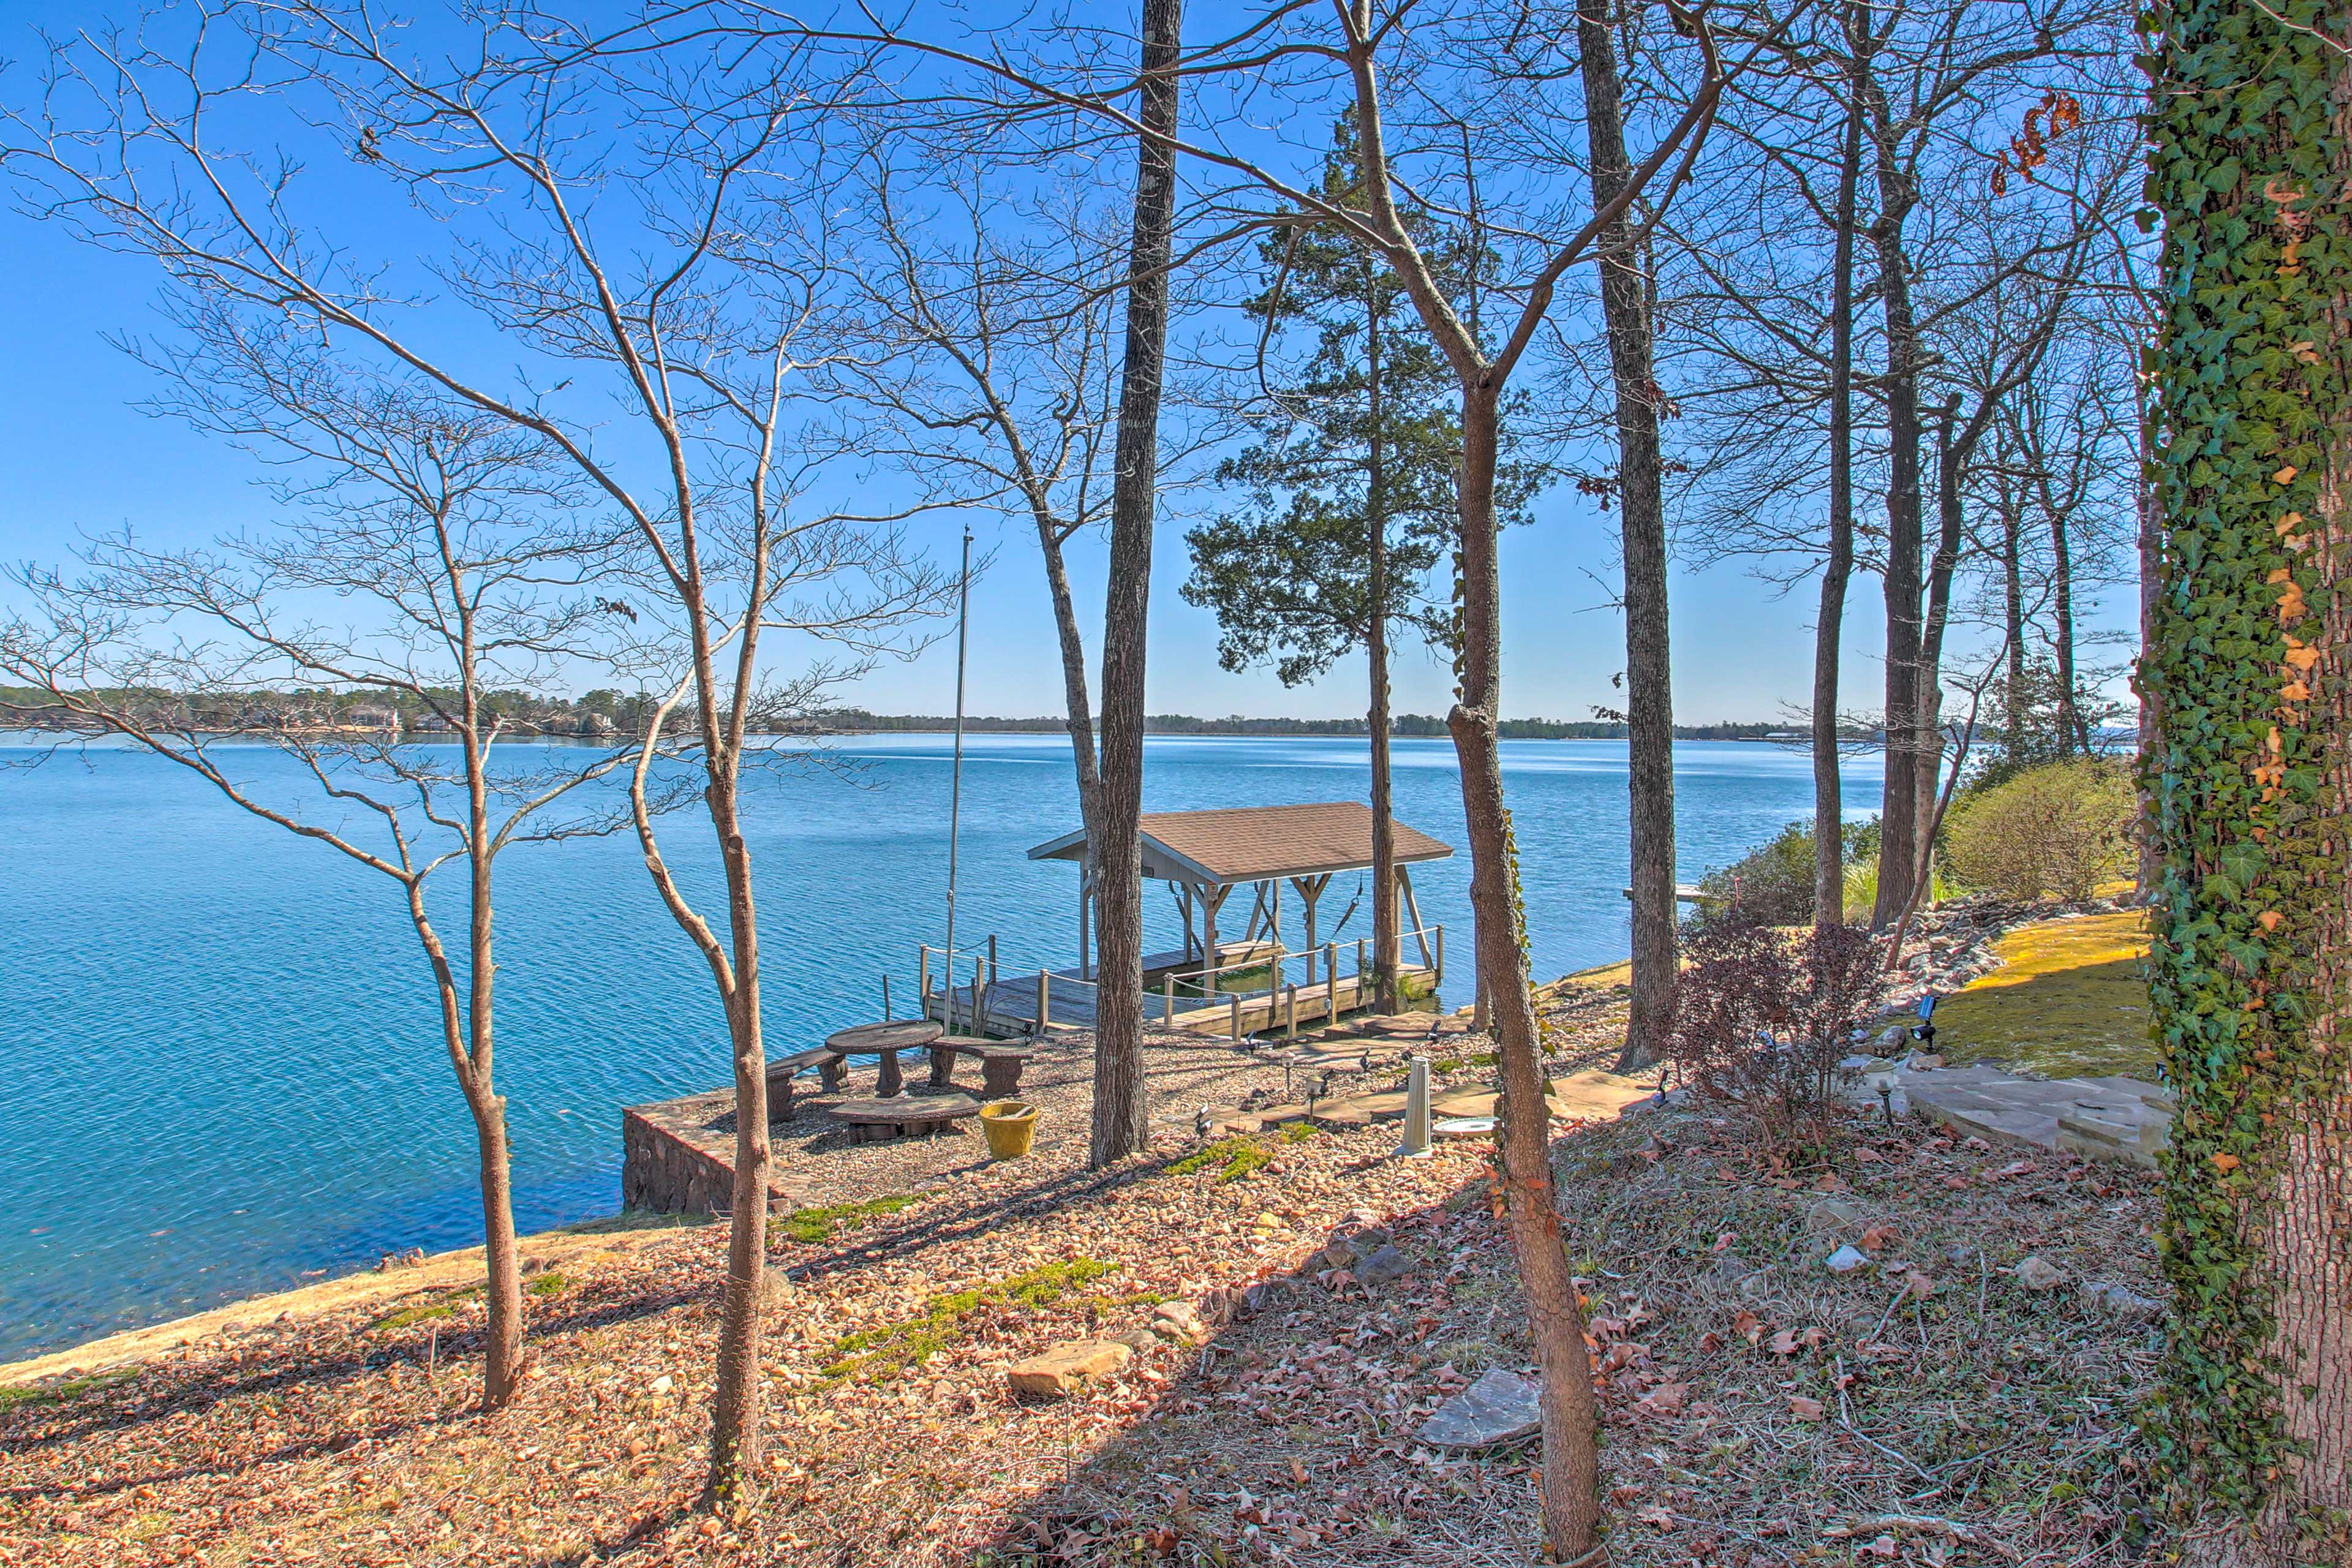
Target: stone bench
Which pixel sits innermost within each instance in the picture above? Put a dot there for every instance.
(904, 1116)
(781, 1070)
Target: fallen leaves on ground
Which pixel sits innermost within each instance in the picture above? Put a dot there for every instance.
(1758, 1409)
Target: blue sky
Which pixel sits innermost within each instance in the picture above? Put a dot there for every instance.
(80, 455)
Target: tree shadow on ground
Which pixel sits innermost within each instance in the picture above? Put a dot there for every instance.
(1293, 1428)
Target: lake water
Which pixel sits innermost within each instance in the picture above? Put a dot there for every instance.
(223, 1063)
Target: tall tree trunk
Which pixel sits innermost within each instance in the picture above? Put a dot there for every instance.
(1076, 699)
(735, 1435)
(1385, 946)
(1837, 570)
(1122, 1123)
(1899, 800)
(502, 1359)
(1951, 463)
(2248, 674)
(2075, 733)
(1649, 672)
(2013, 593)
(2151, 579)
(1571, 1490)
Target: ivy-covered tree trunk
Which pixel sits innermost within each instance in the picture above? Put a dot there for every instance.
(2251, 979)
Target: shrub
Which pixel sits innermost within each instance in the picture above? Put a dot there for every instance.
(1773, 883)
(1764, 1018)
(2062, 828)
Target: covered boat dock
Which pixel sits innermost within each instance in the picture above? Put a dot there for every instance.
(1219, 983)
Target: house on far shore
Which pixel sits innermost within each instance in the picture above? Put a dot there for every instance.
(370, 716)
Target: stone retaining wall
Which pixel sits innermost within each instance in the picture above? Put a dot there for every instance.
(678, 1156)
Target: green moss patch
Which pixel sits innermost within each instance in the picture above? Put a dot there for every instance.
(815, 1226)
(549, 1285)
(14, 1396)
(416, 1312)
(889, 1350)
(1231, 1158)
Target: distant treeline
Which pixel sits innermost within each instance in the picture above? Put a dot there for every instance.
(1407, 724)
(607, 712)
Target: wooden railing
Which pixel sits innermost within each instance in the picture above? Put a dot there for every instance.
(971, 999)
(1431, 938)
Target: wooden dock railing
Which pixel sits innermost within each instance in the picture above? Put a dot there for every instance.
(1185, 998)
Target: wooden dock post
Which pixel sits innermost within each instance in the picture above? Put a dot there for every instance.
(1290, 1009)
(923, 980)
(1441, 955)
(886, 993)
(1331, 982)
(1236, 997)
(1044, 998)
(991, 958)
(1167, 1001)
(978, 996)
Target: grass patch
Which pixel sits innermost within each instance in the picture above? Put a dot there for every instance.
(883, 1352)
(1231, 1158)
(812, 1226)
(444, 1306)
(15, 1396)
(1296, 1131)
(549, 1285)
(2069, 1001)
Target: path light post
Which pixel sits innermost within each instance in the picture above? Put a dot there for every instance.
(1416, 1145)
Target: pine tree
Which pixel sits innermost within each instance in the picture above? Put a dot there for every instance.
(1349, 489)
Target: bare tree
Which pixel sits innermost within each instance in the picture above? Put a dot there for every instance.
(1552, 243)
(994, 313)
(623, 222)
(453, 543)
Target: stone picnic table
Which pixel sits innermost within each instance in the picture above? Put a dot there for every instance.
(886, 1040)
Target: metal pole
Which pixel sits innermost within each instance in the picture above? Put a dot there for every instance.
(992, 974)
(1044, 997)
(886, 993)
(955, 775)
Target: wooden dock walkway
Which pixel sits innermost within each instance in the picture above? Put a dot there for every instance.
(1048, 1001)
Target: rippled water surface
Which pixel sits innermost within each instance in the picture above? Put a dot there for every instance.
(223, 1067)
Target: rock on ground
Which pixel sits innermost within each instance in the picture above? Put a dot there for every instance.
(1066, 1369)
(1500, 1407)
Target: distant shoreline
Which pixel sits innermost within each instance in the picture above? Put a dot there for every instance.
(596, 725)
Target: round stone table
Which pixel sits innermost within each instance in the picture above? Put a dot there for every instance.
(886, 1040)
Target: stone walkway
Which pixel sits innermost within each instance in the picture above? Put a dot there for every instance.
(2119, 1118)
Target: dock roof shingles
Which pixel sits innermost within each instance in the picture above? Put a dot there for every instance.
(1249, 843)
